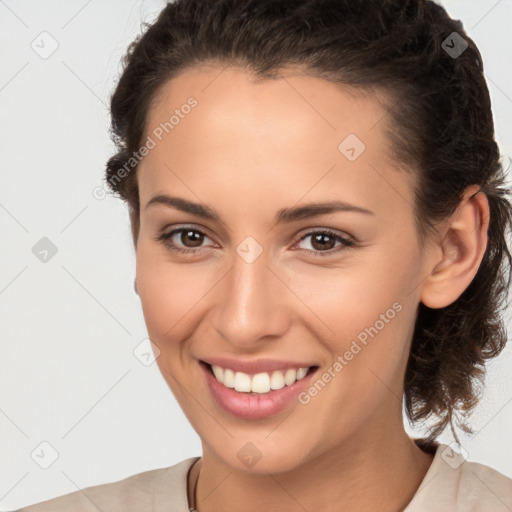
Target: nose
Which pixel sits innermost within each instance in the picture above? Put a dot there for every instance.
(253, 307)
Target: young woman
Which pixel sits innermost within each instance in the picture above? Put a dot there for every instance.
(320, 219)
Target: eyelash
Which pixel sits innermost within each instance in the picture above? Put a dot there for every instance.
(345, 242)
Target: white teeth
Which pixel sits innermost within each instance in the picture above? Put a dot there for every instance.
(260, 383)
(277, 380)
(301, 372)
(242, 382)
(218, 371)
(228, 378)
(290, 376)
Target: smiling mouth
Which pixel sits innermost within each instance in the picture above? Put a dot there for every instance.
(259, 383)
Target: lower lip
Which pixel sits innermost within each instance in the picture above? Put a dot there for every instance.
(254, 406)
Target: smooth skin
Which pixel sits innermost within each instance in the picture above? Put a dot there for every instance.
(248, 149)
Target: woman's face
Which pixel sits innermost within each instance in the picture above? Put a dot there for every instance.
(267, 281)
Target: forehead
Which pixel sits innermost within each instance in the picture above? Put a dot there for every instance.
(300, 100)
(287, 135)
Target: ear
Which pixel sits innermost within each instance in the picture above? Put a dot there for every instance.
(462, 245)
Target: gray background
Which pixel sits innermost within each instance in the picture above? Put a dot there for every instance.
(69, 326)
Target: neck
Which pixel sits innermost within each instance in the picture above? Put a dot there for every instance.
(357, 476)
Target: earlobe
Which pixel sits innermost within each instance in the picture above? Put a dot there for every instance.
(462, 246)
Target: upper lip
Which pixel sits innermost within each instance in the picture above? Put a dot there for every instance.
(255, 365)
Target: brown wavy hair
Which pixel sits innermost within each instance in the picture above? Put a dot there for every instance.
(439, 125)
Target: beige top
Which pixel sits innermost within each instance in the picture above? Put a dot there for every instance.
(451, 484)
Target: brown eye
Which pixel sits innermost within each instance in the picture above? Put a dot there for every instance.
(323, 243)
(184, 240)
(195, 237)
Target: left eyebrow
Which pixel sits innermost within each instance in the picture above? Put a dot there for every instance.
(285, 215)
(316, 209)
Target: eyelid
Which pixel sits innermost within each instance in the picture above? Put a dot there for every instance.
(322, 229)
(164, 237)
(173, 228)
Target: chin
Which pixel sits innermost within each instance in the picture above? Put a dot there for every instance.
(259, 457)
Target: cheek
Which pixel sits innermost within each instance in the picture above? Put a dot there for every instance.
(369, 313)
(169, 293)
(349, 299)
